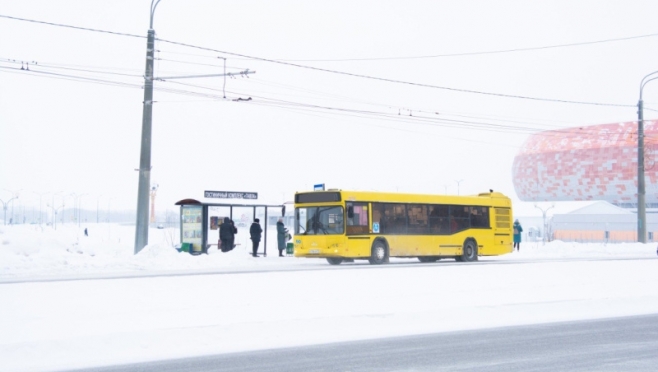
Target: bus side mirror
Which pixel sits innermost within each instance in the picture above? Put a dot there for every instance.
(283, 211)
(350, 211)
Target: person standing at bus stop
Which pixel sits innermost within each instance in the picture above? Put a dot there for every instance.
(255, 231)
(227, 234)
(281, 233)
(517, 235)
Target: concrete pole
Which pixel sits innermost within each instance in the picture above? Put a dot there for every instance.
(141, 229)
(641, 190)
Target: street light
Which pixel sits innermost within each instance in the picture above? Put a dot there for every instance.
(97, 201)
(41, 194)
(543, 212)
(15, 193)
(80, 208)
(109, 227)
(53, 202)
(142, 225)
(4, 207)
(55, 213)
(458, 182)
(641, 204)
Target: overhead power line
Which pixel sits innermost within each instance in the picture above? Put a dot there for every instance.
(467, 54)
(433, 121)
(375, 78)
(73, 27)
(503, 95)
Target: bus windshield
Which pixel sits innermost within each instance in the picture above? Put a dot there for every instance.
(326, 220)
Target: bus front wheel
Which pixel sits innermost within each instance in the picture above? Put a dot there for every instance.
(378, 253)
(470, 252)
(335, 261)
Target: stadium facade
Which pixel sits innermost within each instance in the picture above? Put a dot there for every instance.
(587, 163)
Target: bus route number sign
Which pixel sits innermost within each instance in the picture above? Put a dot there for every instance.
(375, 227)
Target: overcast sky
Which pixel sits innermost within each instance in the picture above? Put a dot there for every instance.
(427, 107)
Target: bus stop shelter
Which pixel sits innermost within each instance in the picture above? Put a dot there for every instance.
(196, 221)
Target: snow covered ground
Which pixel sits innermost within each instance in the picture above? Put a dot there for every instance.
(51, 325)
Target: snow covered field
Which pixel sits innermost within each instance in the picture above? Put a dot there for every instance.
(50, 325)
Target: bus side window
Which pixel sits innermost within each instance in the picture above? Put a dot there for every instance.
(357, 220)
(378, 216)
(417, 218)
(480, 217)
(439, 223)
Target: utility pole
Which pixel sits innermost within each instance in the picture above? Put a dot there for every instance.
(142, 225)
(641, 191)
(141, 228)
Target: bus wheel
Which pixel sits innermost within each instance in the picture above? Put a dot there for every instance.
(428, 259)
(470, 251)
(334, 261)
(378, 253)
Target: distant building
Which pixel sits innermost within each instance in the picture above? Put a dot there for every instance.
(600, 222)
(587, 163)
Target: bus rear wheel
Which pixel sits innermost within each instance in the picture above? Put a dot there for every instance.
(334, 260)
(378, 254)
(469, 252)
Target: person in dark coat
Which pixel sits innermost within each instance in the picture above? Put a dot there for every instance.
(227, 234)
(235, 229)
(281, 233)
(255, 231)
(517, 235)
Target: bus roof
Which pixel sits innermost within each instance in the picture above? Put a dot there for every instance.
(335, 195)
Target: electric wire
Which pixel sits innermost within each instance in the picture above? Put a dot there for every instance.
(276, 102)
(416, 119)
(266, 101)
(73, 27)
(343, 73)
(512, 50)
(375, 78)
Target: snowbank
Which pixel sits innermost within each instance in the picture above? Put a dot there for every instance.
(41, 251)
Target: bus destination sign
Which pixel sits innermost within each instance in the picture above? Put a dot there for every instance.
(230, 195)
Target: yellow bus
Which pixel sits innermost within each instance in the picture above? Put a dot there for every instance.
(342, 226)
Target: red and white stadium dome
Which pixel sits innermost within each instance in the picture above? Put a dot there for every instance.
(587, 163)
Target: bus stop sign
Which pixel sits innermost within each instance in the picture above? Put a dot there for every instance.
(230, 195)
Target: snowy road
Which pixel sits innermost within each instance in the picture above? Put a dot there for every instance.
(316, 264)
(91, 323)
(618, 344)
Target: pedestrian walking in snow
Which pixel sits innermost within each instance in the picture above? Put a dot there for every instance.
(86, 232)
(517, 235)
(255, 231)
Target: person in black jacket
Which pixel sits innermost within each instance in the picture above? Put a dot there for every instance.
(255, 231)
(281, 233)
(227, 234)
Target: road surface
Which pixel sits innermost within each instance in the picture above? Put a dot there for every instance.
(618, 344)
